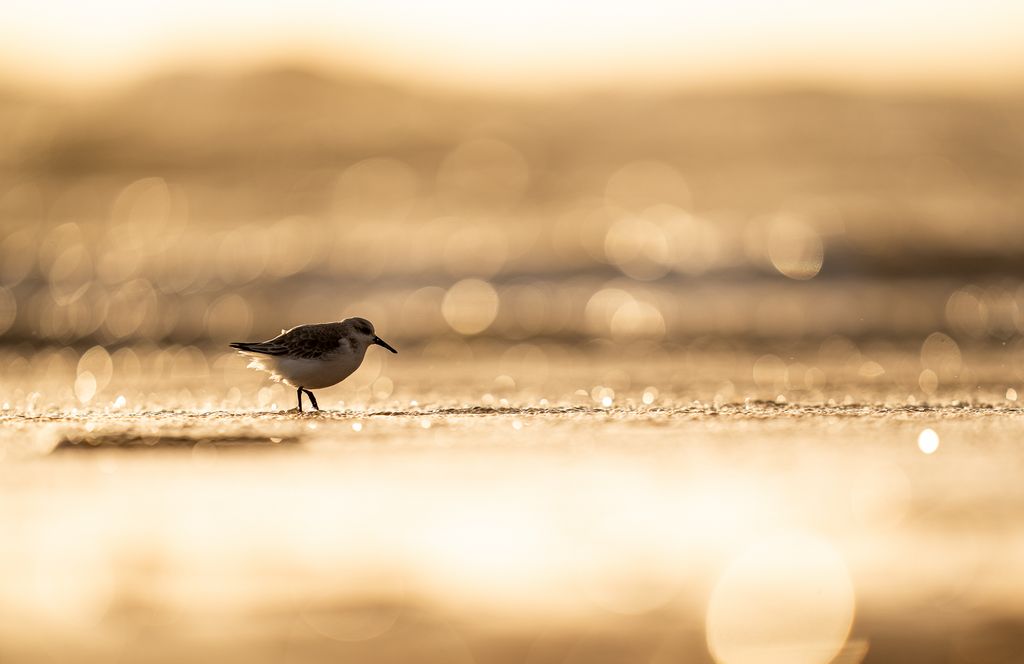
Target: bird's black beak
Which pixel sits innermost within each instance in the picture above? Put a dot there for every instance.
(381, 342)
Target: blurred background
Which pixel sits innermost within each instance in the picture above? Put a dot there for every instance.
(662, 171)
(745, 276)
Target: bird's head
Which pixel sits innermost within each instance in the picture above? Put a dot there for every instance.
(362, 331)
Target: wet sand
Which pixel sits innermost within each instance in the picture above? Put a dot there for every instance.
(535, 518)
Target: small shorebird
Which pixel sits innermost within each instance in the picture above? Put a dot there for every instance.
(313, 356)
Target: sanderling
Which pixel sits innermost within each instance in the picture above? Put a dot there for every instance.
(314, 356)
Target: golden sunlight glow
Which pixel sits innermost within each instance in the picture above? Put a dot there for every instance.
(674, 289)
(531, 43)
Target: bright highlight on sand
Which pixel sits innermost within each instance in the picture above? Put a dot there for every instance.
(928, 441)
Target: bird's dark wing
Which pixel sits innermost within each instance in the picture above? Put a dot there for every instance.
(311, 342)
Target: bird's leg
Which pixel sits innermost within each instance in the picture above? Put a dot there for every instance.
(299, 394)
(312, 399)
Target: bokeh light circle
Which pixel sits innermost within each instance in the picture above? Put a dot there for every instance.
(787, 600)
(470, 306)
(795, 249)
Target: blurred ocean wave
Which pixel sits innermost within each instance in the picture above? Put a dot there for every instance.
(193, 207)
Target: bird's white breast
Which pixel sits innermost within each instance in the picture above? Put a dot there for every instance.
(313, 374)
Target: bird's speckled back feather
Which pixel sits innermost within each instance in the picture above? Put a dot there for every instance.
(308, 342)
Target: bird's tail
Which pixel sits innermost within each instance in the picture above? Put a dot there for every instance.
(261, 356)
(250, 347)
